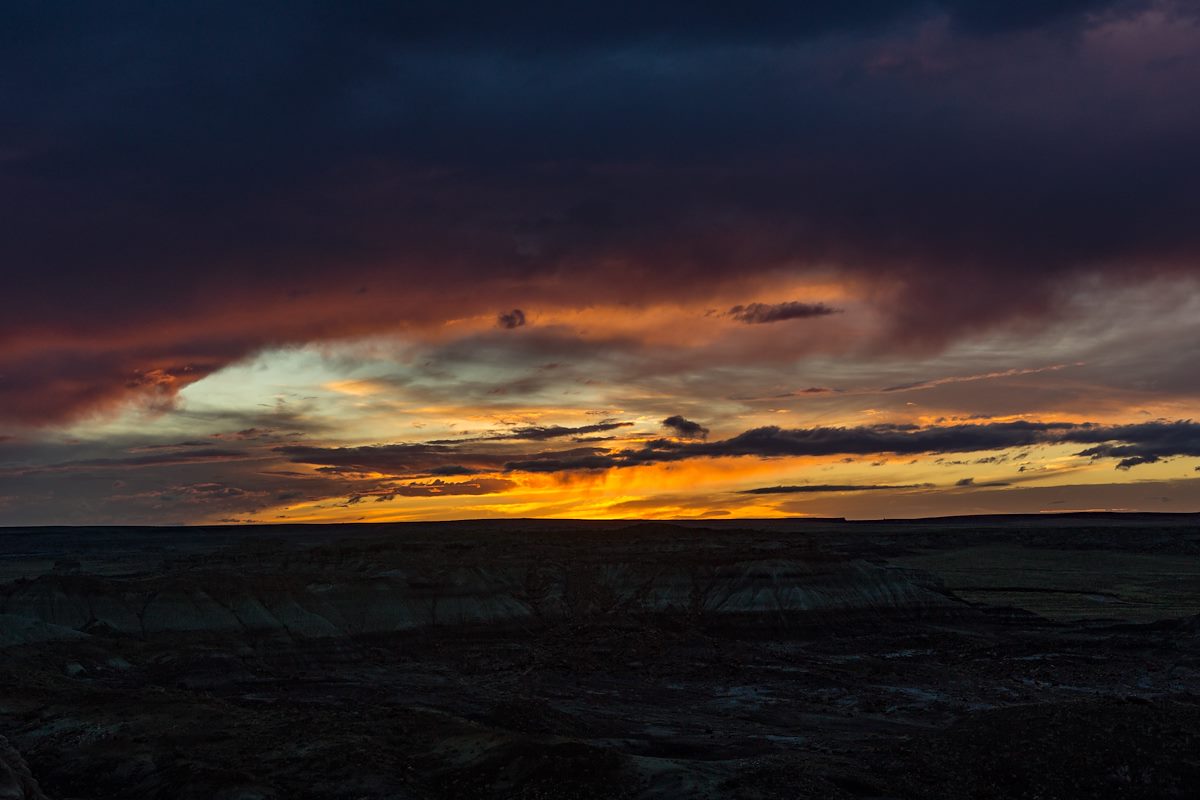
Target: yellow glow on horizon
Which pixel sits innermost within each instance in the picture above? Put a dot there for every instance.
(717, 486)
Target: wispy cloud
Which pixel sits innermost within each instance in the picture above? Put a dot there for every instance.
(827, 488)
(765, 313)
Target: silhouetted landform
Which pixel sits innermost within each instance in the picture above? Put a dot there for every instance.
(993, 657)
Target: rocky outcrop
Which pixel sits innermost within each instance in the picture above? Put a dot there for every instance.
(16, 783)
(16, 630)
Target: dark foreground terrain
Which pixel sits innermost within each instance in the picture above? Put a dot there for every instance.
(972, 658)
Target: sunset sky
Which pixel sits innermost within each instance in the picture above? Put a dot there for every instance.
(324, 261)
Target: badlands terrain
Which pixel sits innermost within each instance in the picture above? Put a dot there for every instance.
(1006, 657)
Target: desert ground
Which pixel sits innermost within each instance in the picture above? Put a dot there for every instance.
(1002, 657)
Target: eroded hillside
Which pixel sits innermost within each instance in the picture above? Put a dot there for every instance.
(594, 661)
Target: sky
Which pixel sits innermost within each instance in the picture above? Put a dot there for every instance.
(324, 261)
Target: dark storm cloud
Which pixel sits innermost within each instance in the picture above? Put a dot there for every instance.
(542, 25)
(535, 25)
(818, 488)
(186, 183)
(762, 313)
(511, 319)
(685, 428)
(52, 383)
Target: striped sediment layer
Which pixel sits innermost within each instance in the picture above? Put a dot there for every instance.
(324, 604)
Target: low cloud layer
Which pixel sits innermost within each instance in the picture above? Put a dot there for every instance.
(264, 472)
(1139, 444)
(1133, 444)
